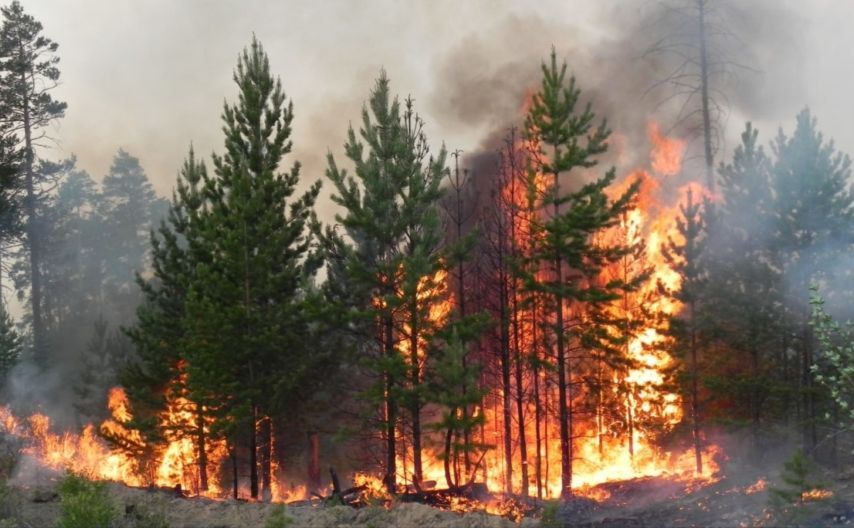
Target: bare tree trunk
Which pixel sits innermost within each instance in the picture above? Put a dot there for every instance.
(33, 241)
(704, 97)
(538, 418)
(520, 413)
(202, 455)
(451, 482)
(266, 458)
(313, 461)
(390, 478)
(253, 452)
(695, 396)
(562, 381)
(234, 482)
(415, 409)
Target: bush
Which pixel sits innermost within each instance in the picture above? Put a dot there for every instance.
(278, 518)
(549, 514)
(84, 504)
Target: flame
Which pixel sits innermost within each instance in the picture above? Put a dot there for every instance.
(613, 445)
(89, 454)
(666, 156)
(609, 453)
(816, 494)
(756, 487)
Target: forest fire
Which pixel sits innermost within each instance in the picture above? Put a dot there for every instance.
(616, 443)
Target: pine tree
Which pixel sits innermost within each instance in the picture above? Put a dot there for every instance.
(391, 219)
(29, 73)
(566, 140)
(11, 345)
(106, 354)
(129, 208)
(813, 238)
(745, 288)
(685, 329)
(158, 337)
(453, 385)
(246, 307)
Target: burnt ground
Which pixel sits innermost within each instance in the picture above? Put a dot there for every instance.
(646, 503)
(729, 502)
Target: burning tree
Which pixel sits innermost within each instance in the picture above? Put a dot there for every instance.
(393, 256)
(223, 337)
(565, 139)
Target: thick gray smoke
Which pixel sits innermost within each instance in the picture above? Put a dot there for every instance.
(755, 48)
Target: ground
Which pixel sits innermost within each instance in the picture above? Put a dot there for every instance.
(647, 502)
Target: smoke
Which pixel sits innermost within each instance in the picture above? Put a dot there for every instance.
(485, 79)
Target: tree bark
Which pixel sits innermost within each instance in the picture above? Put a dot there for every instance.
(201, 440)
(704, 97)
(415, 409)
(266, 458)
(253, 452)
(695, 396)
(313, 461)
(39, 349)
(390, 478)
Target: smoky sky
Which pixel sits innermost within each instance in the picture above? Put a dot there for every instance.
(151, 76)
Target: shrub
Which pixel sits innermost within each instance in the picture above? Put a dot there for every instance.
(278, 518)
(84, 504)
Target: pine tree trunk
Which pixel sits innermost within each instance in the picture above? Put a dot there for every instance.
(538, 439)
(390, 478)
(202, 449)
(562, 382)
(695, 396)
(266, 458)
(520, 413)
(461, 300)
(415, 409)
(452, 483)
(504, 336)
(234, 482)
(506, 391)
(704, 97)
(253, 452)
(313, 461)
(39, 350)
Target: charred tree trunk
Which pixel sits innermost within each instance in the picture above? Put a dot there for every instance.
(695, 396)
(520, 413)
(562, 381)
(253, 452)
(704, 96)
(266, 458)
(538, 419)
(33, 242)
(452, 483)
(313, 461)
(810, 434)
(506, 390)
(201, 448)
(415, 409)
(235, 484)
(390, 478)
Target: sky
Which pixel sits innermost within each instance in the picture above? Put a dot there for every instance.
(150, 76)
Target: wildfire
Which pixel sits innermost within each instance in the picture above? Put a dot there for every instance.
(816, 494)
(618, 443)
(756, 487)
(615, 445)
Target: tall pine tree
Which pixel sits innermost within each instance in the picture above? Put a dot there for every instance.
(246, 316)
(566, 142)
(29, 74)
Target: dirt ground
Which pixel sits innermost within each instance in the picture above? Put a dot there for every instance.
(643, 503)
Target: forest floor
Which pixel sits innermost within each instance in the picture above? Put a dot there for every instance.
(648, 502)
